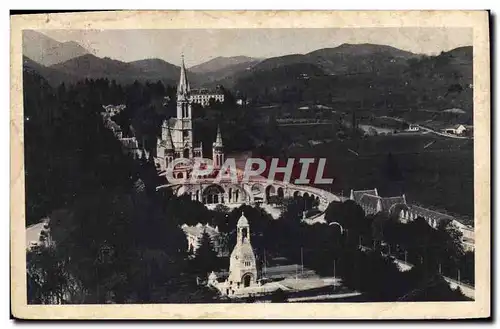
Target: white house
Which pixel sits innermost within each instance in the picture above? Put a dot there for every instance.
(413, 127)
(457, 130)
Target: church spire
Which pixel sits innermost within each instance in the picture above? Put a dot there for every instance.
(169, 144)
(218, 139)
(183, 87)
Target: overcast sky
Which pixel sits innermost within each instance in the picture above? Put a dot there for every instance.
(201, 45)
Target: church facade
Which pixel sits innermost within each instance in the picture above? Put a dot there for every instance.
(177, 138)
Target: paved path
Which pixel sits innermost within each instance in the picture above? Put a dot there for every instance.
(304, 124)
(323, 297)
(466, 289)
(442, 134)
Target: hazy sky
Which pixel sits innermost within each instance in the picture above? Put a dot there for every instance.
(204, 44)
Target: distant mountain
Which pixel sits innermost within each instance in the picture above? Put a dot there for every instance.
(47, 51)
(222, 70)
(157, 68)
(52, 76)
(461, 60)
(90, 66)
(93, 67)
(220, 63)
(363, 49)
(346, 58)
(362, 76)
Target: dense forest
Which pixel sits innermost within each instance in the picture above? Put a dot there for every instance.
(68, 152)
(116, 239)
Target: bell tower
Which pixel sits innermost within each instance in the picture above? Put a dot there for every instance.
(169, 146)
(183, 134)
(243, 265)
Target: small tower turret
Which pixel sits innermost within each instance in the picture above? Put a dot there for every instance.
(218, 150)
(169, 147)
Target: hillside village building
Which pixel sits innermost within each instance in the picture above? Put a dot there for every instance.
(203, 96)
(112, 110)
(130, 145)
(413, 128)
(372, 203)
(177, 138)
(194, 234)
(456, 130)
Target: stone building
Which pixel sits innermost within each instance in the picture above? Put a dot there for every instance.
(372, 203)
(177, 139)
(203, 96)
(397, 207)
(194, 234)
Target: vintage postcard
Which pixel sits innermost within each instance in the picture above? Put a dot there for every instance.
(250, 165)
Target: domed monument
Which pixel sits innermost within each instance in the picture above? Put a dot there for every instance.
(242, 266)
(242, 280)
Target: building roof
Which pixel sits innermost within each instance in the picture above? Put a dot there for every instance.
(369, 200)
(243, 221)
(130, 142)
(430, 214)
(358, 194)
(212, 276)
(218, 138)
(386, 203)
(206, 92)
(183, 86)
(169, 144)
(199, 228)
(161, 143)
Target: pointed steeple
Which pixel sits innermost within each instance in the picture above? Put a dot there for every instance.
(218, 139)
(183, 87)
(169, 144)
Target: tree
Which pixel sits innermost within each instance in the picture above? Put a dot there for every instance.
(434, 288)
(279, 296)
(47, 281)
(205, 259)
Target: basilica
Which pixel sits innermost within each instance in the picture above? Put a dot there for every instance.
(177, 139)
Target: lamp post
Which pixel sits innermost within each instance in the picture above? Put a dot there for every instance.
(302, 260)
(334, 274)
(341, 228)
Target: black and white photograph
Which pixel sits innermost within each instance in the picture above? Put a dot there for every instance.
(298, 165)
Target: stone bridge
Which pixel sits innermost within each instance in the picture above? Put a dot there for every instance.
(255, 190)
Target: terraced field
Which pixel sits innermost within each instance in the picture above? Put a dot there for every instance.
(431, 170)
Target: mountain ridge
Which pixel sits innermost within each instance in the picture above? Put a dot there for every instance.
(221, 62)
(47, 51)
